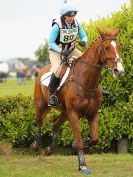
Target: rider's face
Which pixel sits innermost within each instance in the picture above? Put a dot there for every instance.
(69, 19)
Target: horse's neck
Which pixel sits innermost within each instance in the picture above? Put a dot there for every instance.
(91, 55)
(87, 71)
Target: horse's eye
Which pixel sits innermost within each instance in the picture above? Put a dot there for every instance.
(107, 48)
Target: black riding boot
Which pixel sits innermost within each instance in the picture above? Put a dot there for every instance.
(54, 82)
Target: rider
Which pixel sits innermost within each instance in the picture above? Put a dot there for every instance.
(62, 39)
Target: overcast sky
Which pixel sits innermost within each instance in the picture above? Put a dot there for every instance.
(25, 24)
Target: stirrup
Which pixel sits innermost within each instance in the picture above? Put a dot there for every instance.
(53, 100)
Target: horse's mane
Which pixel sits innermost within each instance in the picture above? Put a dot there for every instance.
(89, 47)
(106, 32)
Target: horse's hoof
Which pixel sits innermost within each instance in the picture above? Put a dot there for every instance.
(86, 143)
(85, 170)
(35, 146)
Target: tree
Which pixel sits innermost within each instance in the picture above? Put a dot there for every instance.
(42, 53)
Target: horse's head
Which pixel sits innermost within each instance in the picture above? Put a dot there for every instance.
(109, 51)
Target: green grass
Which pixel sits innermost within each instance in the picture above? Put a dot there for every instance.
(11, 88)
(105, 165)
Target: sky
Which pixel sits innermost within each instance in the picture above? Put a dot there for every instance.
(25, 24)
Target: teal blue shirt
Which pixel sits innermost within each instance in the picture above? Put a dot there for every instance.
(55, 32)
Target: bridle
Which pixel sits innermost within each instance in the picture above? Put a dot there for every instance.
(108, 58)
(105, 59)
(102, 65)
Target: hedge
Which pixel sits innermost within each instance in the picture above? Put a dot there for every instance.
(17, 118)
(122, 88)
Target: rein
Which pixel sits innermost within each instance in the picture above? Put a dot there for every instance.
(82, 88)
(79, 85)
(93, 65)
(90, 64)
(102, 49)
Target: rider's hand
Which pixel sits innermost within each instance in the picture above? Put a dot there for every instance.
(66, 53)
(82, 43)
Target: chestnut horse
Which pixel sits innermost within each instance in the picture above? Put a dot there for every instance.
(81, 94)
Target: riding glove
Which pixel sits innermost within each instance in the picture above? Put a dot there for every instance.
(66, 53)
(82, 43)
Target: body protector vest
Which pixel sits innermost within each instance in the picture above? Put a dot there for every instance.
(67, 37)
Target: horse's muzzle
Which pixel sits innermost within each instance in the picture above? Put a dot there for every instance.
(119, 69)
(118, 73)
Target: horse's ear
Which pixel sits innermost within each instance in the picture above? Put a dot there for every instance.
(116, 31)
(108, 32)
(102, 34)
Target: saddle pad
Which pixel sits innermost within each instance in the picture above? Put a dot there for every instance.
(45, 79)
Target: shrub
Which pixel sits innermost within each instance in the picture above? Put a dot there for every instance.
(17, 123)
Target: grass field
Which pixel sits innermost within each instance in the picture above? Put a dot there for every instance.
(11, 88)
(105, 165)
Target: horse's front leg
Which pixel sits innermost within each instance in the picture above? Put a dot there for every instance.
(40, 109)
(94, 129)
(40, 106)
(37, 141)
(74, 121)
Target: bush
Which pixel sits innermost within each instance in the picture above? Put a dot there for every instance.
(18, 117)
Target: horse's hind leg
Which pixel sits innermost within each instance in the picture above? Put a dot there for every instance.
(57, 123)
(94, 129)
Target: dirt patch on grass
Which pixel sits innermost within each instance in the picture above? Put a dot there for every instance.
(5, 149)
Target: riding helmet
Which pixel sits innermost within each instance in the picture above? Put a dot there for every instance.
(68, 10)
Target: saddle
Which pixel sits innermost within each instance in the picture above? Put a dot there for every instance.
(45, 79)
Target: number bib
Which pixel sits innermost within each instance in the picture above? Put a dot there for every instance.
(68, 35)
